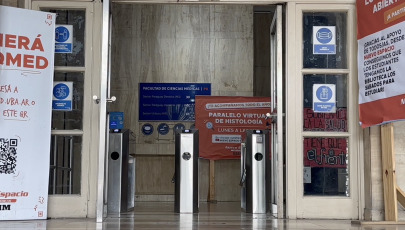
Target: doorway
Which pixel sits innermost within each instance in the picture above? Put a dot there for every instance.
(225, 45)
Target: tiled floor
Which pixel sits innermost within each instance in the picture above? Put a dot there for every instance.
(153, 215)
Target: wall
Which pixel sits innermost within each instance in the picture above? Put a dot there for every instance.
(179, 43)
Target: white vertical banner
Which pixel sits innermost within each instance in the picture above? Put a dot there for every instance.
(27, 43)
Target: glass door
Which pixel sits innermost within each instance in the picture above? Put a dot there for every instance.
(326, 161)
(276, 88)
(70, 154)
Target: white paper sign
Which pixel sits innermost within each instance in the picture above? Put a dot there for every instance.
(26, 72)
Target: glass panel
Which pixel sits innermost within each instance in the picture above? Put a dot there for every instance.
(65, 168)
(70, 119)
(314, 58)
(326, 166)
(325, 121)
(77, 19)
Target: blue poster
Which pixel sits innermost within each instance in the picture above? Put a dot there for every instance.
(324, 40)
(62, 96)
(169, 101)
(63, 38)
(324, 98)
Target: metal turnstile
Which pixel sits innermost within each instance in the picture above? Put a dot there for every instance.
(186, 199)
(121, 174)
(255, 168)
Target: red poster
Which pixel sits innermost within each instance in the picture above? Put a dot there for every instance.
(381, 54)
(222, 123)
(325, 122)
(325, 152)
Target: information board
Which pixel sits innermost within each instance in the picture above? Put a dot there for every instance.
(26, 75)
(169, 101)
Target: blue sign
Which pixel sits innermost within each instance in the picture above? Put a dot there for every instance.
(116, 120)
(324, 98)
(147, 129)
(324, 40)
(169, 101)
(163, 129)
(63, 39)
(62, 96)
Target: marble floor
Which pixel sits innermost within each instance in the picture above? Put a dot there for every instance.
(224, 215)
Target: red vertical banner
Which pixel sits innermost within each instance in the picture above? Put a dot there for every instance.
(381, 54)
(222, 123)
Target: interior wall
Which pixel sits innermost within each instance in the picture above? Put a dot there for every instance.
(179, 44)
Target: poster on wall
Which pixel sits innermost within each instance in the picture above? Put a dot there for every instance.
(380, 61)
(26, 75)
(169, 101)
(222, 123)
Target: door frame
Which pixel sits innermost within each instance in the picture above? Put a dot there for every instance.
(298, 205)
(83, 204)
(277, 108)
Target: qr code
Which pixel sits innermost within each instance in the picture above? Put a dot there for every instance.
(8, 155)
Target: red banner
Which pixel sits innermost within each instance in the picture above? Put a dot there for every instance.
(222, 123)
(325, 122)
(381, 54)
(325, 152)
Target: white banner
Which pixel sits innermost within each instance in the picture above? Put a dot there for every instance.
(27, 42)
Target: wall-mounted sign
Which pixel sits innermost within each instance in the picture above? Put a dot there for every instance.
(163, 129)
(62, 95)
(64, 39)
(169, 101)
(324, 98)
(222, 123)
(324, 39)
(26, 75)
(147, 129)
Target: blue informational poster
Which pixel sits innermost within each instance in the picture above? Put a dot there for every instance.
(62, 95)
(169, 101)
(324, 39)
(324, 98)
(63, 38)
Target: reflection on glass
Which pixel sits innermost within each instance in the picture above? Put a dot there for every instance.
(77, 19)
(326, 166)
(65, 165)
(322, 22)
(65, 120)
(323, 121)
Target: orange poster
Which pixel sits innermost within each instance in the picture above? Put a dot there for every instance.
(222, 123)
